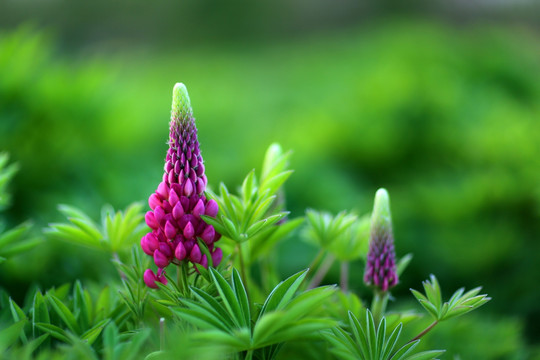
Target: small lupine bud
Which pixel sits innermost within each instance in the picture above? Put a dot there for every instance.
(208, 234)
(151, 241)
(189, 231)
(188, 187)
(180, 251)
(163, 190)
(159, 214)
(195, 254)
(145, 247)
(160, 259)
(165, 249)
(211, 208)
(150, 220)
(217, 255)
(204, 262)
(178, 211)
(173, 197)
(150, 279)
(200, 187)
(381, 264)
(198, 210)
(154, 201)
(170, 230)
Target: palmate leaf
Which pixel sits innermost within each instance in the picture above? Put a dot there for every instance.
(243, 216)
(226, 321)
(118, 230)
(370, 342)
(17, 240)
(458, 304)
(324, 229)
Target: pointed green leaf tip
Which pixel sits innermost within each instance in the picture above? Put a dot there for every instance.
(381, 218)
(181, 105)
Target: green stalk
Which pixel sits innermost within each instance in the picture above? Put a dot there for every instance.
(316, 261)
(344, 276)
(242, 267)
(425, 331)
(323, 269)
(378, 305)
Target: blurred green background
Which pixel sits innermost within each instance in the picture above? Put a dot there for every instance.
(439, 102)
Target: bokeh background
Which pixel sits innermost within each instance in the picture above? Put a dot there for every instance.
(438, 101)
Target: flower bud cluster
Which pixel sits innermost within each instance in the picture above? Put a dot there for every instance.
(179, 201)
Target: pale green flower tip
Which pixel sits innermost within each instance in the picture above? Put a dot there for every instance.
(381, 209)
(181, 105)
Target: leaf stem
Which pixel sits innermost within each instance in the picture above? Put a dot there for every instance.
(162, 334)
(242, 267)
(321, 272)
(344, 276)
(378, 305)
(425, 331)
(316, 261)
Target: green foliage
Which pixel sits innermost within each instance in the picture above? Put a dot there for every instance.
(344, 235)
(460, 303)
(370, 342)
(6, 173)
(230, 320)
(242, 217)
(18, 239)
(118, 232)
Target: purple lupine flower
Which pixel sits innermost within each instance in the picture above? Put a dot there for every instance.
(381, 259)
(179, 201)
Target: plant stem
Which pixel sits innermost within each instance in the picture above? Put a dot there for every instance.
(344, 276)
(242, 268)
(425, 331)
(182, 278)
(323, 269)
(316, 261)
(162, 334)
(378, 305)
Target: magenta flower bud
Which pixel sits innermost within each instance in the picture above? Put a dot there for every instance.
(151, 242)
(189, 231)
(204, 262)
(150, 279)
(188, 187)
(179, 199)
(154, 201)
(180, 251)
(198, 210)
(208, 234)
(145, 247)
(381, 259)
(170, 230)
(195, 254)
(217, 255)
(159, 214)
(151, 220)
(178, 211)
(163, 190)
(160, 259)
(173, 197)
(211, 208)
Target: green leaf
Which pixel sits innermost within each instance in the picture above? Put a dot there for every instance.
(283, 292)
(92, 334)
(241, 296)
(18, 315)
(425, 355)
(55, 331)
(228, 297)
(9, 335)
(64, 313)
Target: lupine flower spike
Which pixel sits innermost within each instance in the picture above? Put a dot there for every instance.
(381, 259)
(179, 201)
